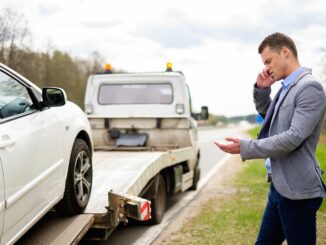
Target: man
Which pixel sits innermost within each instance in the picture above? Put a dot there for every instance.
(287, 140)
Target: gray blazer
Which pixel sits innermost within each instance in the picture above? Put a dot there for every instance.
(289, 136)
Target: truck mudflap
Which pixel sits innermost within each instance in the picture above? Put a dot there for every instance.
(126, 205)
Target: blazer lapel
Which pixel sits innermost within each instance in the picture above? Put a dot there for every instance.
(295, 81)
(280, 103)
(268, 118)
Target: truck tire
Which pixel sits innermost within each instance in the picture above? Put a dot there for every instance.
(196, 177)
(79, 180)
(158, 202)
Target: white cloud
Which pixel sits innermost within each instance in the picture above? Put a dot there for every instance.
(214, 43)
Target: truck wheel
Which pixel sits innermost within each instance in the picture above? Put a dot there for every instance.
(196, 177)
(158, 202)
(79, 180)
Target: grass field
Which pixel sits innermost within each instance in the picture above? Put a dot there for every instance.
(238, 220)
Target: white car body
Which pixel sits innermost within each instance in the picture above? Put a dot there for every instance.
(35, 149)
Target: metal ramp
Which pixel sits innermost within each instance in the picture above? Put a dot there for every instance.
(56, 229)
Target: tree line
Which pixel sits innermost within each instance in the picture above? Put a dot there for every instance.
(46, 68)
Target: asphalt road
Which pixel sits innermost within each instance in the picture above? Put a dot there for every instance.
(210, 157)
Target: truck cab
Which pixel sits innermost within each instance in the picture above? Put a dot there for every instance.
(144, 121)
(154, 103)
(161, 94)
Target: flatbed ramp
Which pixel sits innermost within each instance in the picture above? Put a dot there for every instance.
(55, 229)
(119, 172)
(127, 172)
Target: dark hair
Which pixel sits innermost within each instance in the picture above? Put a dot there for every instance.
(276, 42)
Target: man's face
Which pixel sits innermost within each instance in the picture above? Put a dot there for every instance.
(275, 62)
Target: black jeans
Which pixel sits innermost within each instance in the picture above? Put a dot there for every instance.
(293, 220)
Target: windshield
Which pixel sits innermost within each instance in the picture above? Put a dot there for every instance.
(149, 93)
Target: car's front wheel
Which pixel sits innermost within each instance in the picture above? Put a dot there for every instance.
(79, 180)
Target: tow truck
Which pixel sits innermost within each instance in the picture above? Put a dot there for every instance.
(145, 147)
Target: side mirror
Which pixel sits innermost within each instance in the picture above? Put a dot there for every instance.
(53, 97)
(204, 113)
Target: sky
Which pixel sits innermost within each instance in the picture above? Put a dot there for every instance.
(214, 43)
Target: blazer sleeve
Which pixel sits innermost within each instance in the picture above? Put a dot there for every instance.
(262, 99)
(310, 109)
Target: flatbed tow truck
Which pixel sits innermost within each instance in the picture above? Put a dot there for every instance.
(146, 146)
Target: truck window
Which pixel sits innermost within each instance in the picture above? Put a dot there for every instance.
(141, 93)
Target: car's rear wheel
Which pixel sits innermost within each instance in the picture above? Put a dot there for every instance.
(79, 180)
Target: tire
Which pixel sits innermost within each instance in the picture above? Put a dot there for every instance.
(196, 177)
(79, 180)
(158, 202)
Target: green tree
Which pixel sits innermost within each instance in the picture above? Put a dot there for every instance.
(14, 36)
(50, 68)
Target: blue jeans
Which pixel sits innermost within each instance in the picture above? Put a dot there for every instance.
(293, 220)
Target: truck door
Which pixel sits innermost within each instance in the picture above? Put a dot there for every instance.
(194, 131)
(31, 151)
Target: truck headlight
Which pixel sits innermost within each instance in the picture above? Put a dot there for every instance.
(88, 109)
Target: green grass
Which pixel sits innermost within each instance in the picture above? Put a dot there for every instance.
(237, 219)
(321, 215)
(321, 156)
(254, 132)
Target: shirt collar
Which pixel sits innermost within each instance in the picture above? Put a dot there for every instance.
(287, 81)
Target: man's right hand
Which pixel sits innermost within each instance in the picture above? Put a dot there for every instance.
(264, 80)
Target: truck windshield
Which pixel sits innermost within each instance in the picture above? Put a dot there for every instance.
(155, 93)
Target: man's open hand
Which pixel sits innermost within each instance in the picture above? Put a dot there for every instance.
(232, 148)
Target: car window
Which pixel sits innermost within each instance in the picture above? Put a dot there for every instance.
(14, 97)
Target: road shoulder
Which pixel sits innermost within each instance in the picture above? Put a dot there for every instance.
(219, 188)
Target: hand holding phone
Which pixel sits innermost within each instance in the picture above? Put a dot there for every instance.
(264, 78)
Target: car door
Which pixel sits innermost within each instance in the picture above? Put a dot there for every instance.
(31, 151)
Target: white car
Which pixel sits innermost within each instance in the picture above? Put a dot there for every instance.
(45, 155)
